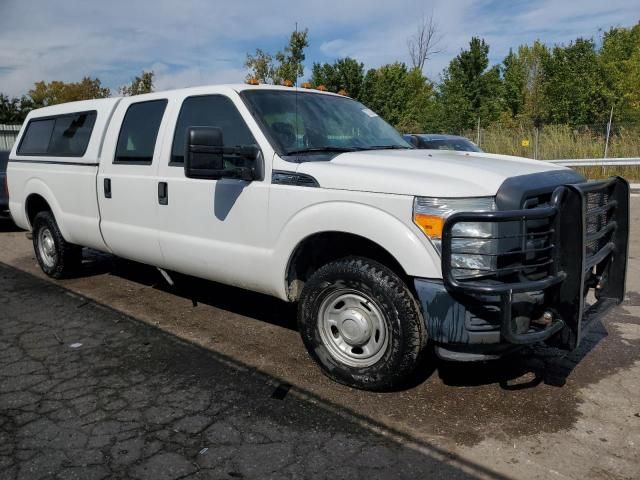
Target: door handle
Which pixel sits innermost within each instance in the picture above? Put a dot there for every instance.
(163, 193)
(107, 188)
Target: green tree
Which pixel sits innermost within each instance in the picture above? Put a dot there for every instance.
(43, 94)
(284, 66)
(574, 87)
(260, 66)
(419, 110)
(620, 60)
(385, 91)
(345, 74)
(523, 77)
(515, 83)
(139, 85)
(289, 66)
(402, 96)
(470, 89)
(11, 110)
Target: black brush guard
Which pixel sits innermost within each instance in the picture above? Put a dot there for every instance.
(582, 246)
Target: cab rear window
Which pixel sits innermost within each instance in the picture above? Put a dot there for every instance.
(58, 136)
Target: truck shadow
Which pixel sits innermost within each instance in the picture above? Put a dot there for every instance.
(523, 369)
(7, 225)
(198, 291)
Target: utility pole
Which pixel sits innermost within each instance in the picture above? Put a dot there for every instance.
(606, 142)
(478, 136)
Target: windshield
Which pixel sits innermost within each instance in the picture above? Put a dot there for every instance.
(458, 144)
(304, 123)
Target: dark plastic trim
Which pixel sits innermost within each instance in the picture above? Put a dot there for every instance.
(283, 177)
(54, 162)
(572, 273)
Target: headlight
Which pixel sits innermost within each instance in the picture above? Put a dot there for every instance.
(473, 248)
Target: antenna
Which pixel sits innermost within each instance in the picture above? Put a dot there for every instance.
(295, 85)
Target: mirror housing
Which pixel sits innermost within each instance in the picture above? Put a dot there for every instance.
(205, 153)
(413, 140)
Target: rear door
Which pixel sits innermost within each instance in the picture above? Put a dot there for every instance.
(127, 180)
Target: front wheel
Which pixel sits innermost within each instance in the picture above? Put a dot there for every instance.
(361, 324)
(57, 257)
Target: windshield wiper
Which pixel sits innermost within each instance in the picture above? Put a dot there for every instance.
(346, 149)
(388, 147)
(321, 149)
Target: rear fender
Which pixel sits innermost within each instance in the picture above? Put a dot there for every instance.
(38, 187)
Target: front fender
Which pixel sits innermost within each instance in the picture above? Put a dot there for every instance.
(414, 253)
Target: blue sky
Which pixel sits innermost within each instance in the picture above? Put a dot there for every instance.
(194, 42)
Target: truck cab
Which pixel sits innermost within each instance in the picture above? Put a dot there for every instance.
(311, 197)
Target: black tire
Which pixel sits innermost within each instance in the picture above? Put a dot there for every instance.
(67, 257)
(404, 323)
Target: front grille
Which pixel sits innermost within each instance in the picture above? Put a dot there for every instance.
(525, 250)
(563, 229)
(600, 226)
(557, 246)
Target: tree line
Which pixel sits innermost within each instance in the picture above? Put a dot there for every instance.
(571, 84)
(43, 94)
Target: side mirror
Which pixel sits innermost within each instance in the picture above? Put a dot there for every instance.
(205, 154)
(413, 140)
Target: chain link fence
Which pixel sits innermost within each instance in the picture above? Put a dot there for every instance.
(551, 142)
(554, 142)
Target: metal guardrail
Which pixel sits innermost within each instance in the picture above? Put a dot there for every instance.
(597, 162)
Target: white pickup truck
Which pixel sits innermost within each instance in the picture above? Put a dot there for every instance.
(312, 198)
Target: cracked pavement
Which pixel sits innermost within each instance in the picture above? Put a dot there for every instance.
(88, 393)
(174, 382)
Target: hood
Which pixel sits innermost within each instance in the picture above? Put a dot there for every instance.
(434, 173)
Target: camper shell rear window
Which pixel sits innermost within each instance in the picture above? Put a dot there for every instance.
(64, 135)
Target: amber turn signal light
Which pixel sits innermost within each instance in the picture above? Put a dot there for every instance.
(431, 225)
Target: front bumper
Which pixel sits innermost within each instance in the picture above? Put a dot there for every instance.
(537, 291)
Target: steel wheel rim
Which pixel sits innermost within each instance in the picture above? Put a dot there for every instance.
(352, 328)
(47, 247)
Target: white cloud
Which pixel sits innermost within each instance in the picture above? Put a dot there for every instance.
(192, 42)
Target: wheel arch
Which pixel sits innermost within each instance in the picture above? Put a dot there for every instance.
(39, 197)
(333, 230)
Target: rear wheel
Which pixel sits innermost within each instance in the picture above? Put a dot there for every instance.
(57, 257)
(361, 324)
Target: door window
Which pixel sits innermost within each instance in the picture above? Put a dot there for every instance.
(210, 111)
(139, 131)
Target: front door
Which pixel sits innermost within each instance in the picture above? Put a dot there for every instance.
(213, 229)
(128, 183)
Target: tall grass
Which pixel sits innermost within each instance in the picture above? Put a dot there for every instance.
(566, 142)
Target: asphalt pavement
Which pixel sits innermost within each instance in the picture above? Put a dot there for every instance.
(115, 374)
(89, 393)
